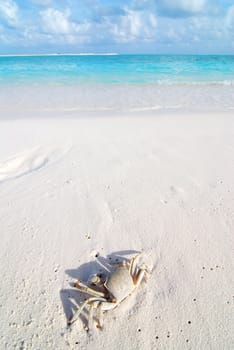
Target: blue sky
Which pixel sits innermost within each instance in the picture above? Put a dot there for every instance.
(130, 26)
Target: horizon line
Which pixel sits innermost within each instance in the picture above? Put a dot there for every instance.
(111, 54)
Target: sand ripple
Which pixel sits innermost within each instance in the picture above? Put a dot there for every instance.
(26, 162)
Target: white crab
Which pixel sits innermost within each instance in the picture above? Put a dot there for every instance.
(109, 290)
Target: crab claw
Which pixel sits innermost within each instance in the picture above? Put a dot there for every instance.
(77, 283)
(94, 279)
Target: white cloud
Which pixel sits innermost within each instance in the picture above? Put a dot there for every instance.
(181, 8)
(153, 20)
(3, 38)
(59, 27)
(9, 12)
(134, 25)
(127, 26)
(230, 17)
(207, 28)
(41, 2)
(56, 22)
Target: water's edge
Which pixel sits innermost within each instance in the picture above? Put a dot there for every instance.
(115, 98)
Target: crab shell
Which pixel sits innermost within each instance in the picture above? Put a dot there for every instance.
(120, 284)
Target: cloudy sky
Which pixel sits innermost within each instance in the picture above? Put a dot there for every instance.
(125, 26)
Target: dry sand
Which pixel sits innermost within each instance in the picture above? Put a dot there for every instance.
(74, 187)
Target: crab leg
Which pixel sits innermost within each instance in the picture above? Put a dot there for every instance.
(99, 316)
(132, 268)
(77, 312)
(80, 308)
(138, 277)
(83, 288)
(90, 318)
(98, 306)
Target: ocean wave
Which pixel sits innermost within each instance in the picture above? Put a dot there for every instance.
(61, 54)
(153, 108)
(189, 83)
(106, 109)
(93, 54)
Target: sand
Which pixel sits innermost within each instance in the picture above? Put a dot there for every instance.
(72, 188)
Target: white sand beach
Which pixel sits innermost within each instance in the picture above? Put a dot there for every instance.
(75, 187)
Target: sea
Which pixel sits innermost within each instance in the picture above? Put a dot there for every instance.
(119, 82)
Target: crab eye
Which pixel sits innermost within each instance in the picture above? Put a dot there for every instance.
(94, 279)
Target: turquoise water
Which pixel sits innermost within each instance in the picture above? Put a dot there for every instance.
(117, 69)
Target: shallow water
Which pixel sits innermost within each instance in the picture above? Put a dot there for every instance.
(129, 83)
(118, 69)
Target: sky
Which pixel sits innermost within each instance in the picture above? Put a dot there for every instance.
(121, 26)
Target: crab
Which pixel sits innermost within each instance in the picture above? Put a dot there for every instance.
(108, 290)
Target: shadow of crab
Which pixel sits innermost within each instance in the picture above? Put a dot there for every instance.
(101, 266)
